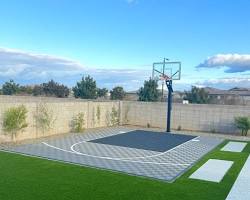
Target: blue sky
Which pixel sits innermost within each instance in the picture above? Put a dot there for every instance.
(116, 41)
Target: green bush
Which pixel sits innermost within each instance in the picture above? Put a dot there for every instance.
(127, 109)
(93, 117)
(86, 88)
(117, 93)
(149, 91)
(44, 118)
(78, 123)
(14, 120)
(243, 123)
(114, 117)
(107, 118)
(10, 88)
(98, 114)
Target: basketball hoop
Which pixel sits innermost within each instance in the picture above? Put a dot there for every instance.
(164, 77)
(173, 71)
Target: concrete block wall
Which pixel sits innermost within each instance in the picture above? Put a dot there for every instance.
(63, 114)
(194, 117)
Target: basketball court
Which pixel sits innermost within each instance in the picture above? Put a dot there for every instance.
(157, 155)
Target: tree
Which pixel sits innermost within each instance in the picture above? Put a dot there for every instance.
(86, 88)
(114, 117)
(10, 88)
(242, 123)
(38, 90)
(149, 91)
(53, 88)
(197, 95)
(25, 90)
(44, 118)
(78, 123)
(117, 93)
(14, 120)
(102, 92)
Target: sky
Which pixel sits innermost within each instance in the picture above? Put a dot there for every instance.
(116, 41)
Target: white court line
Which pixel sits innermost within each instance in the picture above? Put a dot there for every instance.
(122, 159)
(54, 147)
(138, 157)
(110, 158)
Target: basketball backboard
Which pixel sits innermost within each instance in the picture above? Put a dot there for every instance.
(167, 69)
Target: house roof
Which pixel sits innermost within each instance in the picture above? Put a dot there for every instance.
(233, 91)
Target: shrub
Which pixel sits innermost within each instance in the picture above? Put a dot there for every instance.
(93, 117)
(51, 89)
(127, 109)
(98, 114)
(242, 123)
(78, 123)
(102, 92)
(114, 117)
(44, 118)
(14, 120)
(107, 118)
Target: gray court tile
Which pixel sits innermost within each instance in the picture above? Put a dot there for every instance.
(75, 149)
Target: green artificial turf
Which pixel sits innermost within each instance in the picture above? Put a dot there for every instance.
(24, 178)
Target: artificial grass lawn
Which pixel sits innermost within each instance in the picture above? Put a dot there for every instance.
(27, 178)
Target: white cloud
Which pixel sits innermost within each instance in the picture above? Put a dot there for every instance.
(16, 63)
(226, 83)
(31, 68)
(232, 62)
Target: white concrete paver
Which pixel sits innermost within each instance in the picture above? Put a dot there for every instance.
(213, 170)
(234, 146)
(241, 187)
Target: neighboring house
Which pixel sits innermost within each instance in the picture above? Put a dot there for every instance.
(177, 96)
(131, 96)
(234, 96)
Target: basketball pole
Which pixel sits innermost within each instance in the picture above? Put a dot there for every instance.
(169, 102)
(169, 106)
(169, 83)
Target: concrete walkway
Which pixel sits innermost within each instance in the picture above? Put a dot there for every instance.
(234, 146)
(241, 187)
(213, 170)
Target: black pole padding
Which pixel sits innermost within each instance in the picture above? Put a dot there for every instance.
(170, 91)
